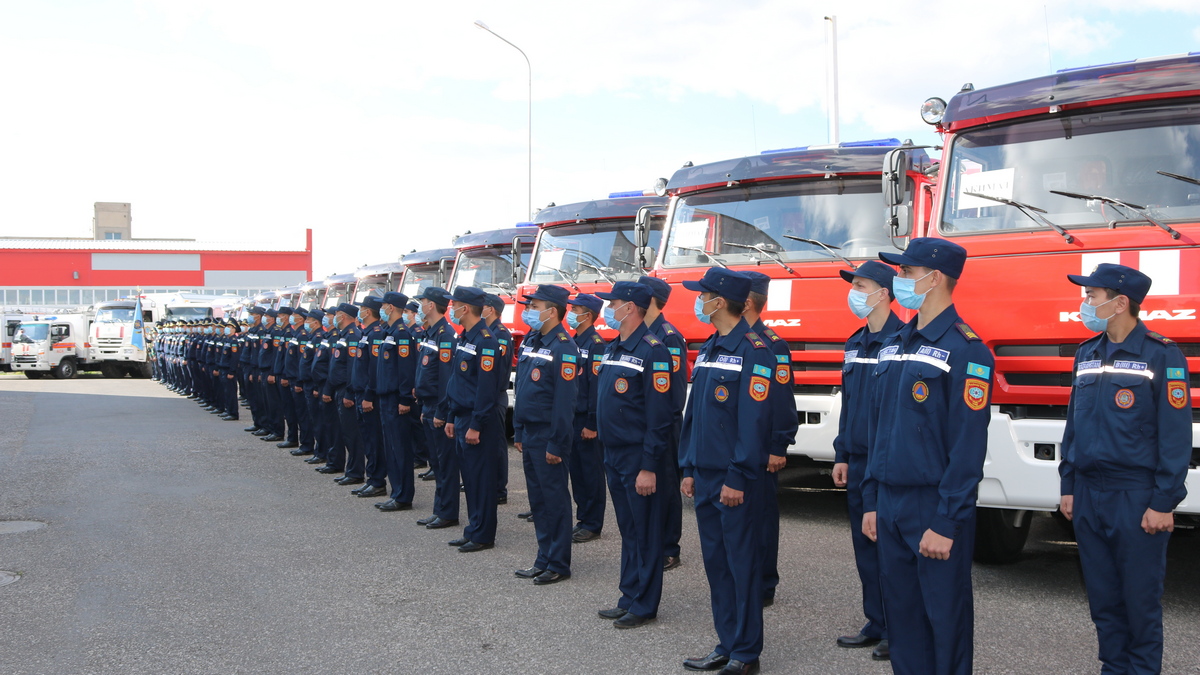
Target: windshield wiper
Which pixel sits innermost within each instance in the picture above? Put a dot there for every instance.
(1032, 212)
(828, 249)
(711, 256)
(771, 255)
(1140, 210)
(1176, 176)
(611, 279)
(567, 276)
(505, 289)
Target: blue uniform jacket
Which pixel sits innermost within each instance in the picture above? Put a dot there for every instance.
(363, 371)
(677, 346)
(932, 392)
(504, 338)
(283, 339)
(266, 350)
(728, 422)
(433, 367)
(249, 355)
(784, 422)
(591, 355)
(633, 399)
(1129, 423)
(858, 368)
(547, 377)
(344, 348)
(397, 364)
(321, 359)
(474, 371)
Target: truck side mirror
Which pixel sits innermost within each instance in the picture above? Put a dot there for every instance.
(894, 164)
(899, 220)
(443, 267)
(641, 228)
(518, 268)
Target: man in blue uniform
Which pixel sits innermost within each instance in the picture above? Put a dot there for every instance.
(433, 375)
(784, 425)
(285, 361)
(331, 443)
(634, 411)
(314, 342)
(926, 447)
(1125, 454)
(870, 298)
(396, 368)
(248, 362)
(727, 435)
(300, 370)
(586, 465)
(363, 384)
(229, 370)
(547, 373)
(414, 323)
(268, 348)
(660, 328)
(493, 309)
(469, 413)
(338, 391)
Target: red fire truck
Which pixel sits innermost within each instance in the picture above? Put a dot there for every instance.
(1052, 176)
(588, 246)
(423, 269)
(800, 216)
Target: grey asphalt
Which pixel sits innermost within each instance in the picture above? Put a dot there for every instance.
(176, 543)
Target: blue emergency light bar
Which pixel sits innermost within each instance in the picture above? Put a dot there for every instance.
(877, 143)
(630, 193)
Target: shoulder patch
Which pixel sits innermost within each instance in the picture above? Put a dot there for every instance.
(484, 332)
(755, 340)
(669, 329)
(562, 337)
(596, 339)
(1158, 336)
(966, 331)
(650, 339)
(771, 335)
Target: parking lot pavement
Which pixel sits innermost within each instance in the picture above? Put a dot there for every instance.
(176, 543)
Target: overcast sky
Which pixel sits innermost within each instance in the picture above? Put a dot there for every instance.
(389, 126)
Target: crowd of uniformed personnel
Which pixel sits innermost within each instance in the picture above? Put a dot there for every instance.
(377, 391)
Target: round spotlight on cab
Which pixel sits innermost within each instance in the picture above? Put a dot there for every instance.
(932, 110)
(660, 187)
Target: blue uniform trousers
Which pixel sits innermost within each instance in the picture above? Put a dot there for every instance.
(928, 603)
(335, 445)
(231, 399)
(351, 438)
(479, 477)
(730, 541)
(674, 499)
(304, 420)
(770, 534)
(274, 411)
(370, 431)
(287, 401)
(419, 443)
(866, 552)
(550, 502)
(316, 425)
(642, 522)
(447, 497)
(501, 445)
(586, 466)
(251, 392)
(397, 448)
(1123, 569)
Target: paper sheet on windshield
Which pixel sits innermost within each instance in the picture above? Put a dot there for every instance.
(690, 235)
(998, 183)
(465, 277)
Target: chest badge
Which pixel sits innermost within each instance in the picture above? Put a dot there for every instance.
(425, 360)
(462, 365)
(721, 394)
(535, 375)
(975, 393)
(337, 353)
(387, 355)
(621, 385)
(920, 392)
(1177, 394)
(1124, 399)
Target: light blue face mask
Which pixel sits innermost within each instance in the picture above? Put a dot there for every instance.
(455, 319)
(698, 310)
(228, 330)
(906, 295)
(610, 318)
(573, 320)
(421, 314)
(533, 318)
(1087, 313)
(326, 322)
(858, 303)
(384, 315)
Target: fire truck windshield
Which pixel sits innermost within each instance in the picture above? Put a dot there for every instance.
(490, 269)
(32, 332)
(115, 315)
(417, 279)
(336, 295)
(308, 300)
(185, 312)
(753, 223)
(1115, 155)
(369, 287)
(590, 251)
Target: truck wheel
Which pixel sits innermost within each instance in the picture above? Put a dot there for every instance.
(140, 371)
(66, 369)
(110, 371)
(1000, 535)
(34, 374)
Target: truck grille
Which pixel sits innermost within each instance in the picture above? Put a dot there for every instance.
(24, 359)
(110, 343)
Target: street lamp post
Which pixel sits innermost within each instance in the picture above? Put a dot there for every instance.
(529, 116)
